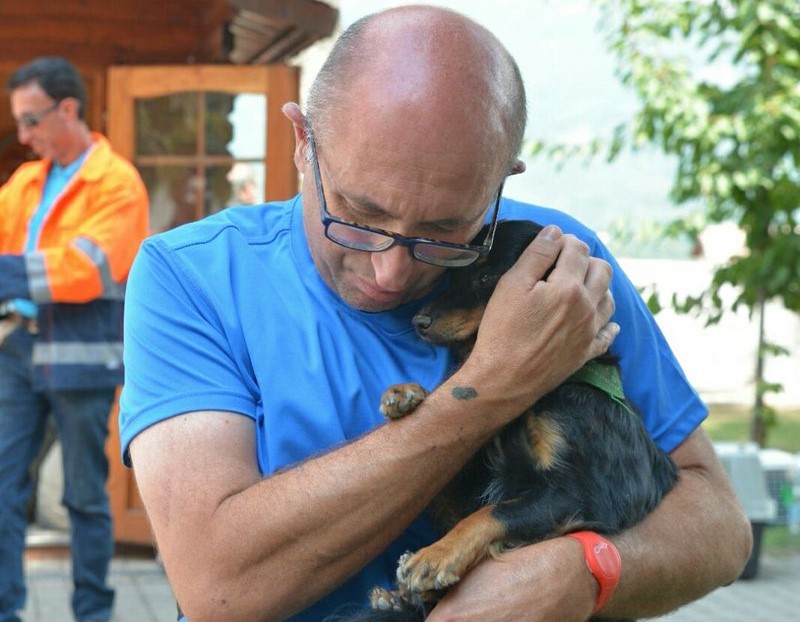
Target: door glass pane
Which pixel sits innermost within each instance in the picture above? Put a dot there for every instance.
(174, 193)
(240, 184)
(218, 189)
(248, 119)
(218, 130)
(200, 152)
(167, 125)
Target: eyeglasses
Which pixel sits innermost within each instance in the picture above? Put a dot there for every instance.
(373, 240)
(30, 120)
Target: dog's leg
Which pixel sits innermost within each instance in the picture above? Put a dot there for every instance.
(400, 400)
(446, 561)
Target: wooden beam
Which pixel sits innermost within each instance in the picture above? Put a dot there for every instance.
(281, 172)
(91, 11)
(281, 47)
(100, 33)
(213, 25)
(167, 79)
(133, 35)
(316, 18)
(97, 55)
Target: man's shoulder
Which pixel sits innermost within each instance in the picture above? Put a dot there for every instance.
(104, 160)
(512, 209)
(234, 226)
(29, 171)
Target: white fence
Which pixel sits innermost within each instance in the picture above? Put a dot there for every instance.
(720, 360)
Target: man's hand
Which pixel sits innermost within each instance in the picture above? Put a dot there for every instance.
(538, 583)
(538, 332)
(8, 324)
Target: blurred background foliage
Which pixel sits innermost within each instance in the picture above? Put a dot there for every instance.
(718, 87)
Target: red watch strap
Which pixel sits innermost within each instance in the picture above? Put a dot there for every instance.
(604, 563)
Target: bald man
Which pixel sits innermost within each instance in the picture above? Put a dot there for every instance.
(259, 341)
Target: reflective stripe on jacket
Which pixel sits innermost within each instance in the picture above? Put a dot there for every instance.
(78, 271)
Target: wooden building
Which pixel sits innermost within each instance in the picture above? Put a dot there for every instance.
(188, 90)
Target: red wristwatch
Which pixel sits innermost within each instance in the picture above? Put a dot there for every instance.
(604, 563)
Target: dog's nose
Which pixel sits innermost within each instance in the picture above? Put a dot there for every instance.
(422, 322)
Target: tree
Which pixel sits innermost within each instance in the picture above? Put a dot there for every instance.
(736, 142)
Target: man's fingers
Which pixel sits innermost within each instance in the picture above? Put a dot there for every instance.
(569, 259)
(598, 278)
(605, 337)
(573, 262)
(541, 253)
(605, 308)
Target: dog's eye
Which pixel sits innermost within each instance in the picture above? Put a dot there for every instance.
(486, 279)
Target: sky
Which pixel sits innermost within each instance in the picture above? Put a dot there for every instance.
(572, 94)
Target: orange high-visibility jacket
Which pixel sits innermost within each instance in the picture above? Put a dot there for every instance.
(78, 270)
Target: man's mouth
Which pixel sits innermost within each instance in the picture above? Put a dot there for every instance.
(379, 295)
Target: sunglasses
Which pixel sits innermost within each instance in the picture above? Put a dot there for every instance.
(30, 120)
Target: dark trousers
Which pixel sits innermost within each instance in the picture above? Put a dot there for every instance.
(81, 419)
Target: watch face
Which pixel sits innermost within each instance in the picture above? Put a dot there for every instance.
(607, 559)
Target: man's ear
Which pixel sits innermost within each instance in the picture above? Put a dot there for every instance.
(70, 107)
(293, 112)
(519, 167)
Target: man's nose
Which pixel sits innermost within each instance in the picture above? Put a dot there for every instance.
(393, 268)
(23, 134)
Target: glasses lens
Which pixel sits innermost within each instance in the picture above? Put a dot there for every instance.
(444, 255)
(29, 121)
(33, 119)
(357, 238)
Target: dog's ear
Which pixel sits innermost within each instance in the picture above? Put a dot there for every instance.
(511, 236)
(515, 235)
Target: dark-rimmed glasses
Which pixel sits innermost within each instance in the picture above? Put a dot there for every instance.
(373, 240)
(30, 120)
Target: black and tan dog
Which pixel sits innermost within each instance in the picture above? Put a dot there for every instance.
(580, 458)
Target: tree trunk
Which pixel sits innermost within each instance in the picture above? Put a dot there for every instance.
(758, 424)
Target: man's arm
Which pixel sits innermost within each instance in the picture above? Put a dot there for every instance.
(94, 256)
(238, 546)
(697, 539)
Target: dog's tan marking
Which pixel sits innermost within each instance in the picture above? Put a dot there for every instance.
(446, 561)
(457, 325)
(545, 440)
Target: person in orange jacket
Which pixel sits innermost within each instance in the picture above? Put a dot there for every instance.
(70, 226)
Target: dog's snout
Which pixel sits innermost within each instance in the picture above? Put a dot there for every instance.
(422, 322)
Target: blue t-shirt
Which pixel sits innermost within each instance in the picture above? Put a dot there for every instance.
(229, 313)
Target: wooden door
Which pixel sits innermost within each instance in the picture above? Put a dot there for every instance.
(203, 137)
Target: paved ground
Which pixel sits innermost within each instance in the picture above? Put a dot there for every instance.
(772, 596)
(143, 594)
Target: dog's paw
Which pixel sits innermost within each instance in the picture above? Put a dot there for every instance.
(384, 600)
(400, 400)
(423, 572)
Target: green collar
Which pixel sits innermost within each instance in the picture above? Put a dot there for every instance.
(603, 376)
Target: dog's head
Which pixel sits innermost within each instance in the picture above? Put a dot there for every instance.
(452, 318)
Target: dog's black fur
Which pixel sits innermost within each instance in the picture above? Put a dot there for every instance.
(577, 459)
